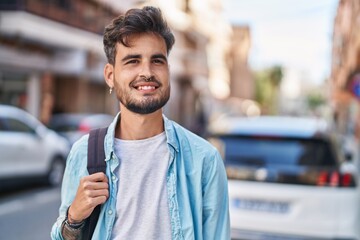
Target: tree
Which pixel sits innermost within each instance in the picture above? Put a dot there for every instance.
(315, 101)
(267, 84)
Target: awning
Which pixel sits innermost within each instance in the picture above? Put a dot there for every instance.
(36, 28)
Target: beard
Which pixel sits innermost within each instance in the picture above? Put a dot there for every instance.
(149, 103)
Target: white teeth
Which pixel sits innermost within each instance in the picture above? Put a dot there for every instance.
(146, 87)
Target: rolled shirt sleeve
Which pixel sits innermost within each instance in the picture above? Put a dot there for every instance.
(216, 221)
(75, 169)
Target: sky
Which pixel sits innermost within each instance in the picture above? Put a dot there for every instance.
(294, 34)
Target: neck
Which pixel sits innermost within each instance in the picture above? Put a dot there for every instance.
(133, 126)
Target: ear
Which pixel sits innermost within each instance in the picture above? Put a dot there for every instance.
(109, 75)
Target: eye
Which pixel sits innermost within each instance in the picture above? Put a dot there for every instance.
(159, 61)
(132, 61)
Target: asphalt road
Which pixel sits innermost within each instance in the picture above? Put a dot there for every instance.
(28, 213)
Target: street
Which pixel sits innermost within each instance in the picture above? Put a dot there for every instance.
(28, 213)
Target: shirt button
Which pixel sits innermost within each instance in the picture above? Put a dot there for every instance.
(110, 212)
(113, 178)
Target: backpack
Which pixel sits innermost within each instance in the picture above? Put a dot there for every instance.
(95, 163)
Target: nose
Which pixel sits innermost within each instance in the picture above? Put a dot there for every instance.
(146, 70)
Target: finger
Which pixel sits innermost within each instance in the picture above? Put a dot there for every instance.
(88, 185)
(99, 185)
(98, 177)
(99, 200)
(99, 193)
(92, 178)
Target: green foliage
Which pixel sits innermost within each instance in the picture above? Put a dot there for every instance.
(275, 75)
(315, 100)
(267, 83)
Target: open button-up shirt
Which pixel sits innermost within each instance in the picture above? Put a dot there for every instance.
(196, 185)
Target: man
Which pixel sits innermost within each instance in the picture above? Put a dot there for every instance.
(162, 181)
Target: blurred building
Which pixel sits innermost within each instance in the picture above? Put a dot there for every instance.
(345, 69)
(51, 56)
(241, 81)
(198, 64)
(240, 100)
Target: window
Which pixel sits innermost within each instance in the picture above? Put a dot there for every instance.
(14, 125)
(285, 160)
(261, 152)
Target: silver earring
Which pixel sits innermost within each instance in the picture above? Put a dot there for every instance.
(110, 90)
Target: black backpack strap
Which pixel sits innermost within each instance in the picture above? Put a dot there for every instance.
(96, 154)
(96, 163)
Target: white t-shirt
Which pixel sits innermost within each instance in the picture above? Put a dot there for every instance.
(142, 210)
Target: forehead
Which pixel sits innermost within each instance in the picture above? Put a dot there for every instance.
(142, 43)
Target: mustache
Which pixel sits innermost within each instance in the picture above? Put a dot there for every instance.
(145, 79)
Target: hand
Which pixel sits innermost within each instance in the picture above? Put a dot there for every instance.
(92, 191)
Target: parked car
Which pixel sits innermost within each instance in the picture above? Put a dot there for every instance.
(287, 179)
(74, 125)
(29, 150)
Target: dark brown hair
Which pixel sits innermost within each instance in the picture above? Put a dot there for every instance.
(146, 20)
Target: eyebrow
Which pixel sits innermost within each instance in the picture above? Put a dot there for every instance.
(137, 56)
(131, 56)
(161, 56)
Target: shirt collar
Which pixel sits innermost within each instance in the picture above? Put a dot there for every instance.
(110, 136)
(170, 133)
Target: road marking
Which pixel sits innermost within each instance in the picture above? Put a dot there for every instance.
(46, 197)
(29, 200)
(9, 207)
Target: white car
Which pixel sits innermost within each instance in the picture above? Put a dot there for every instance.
(287, 179)
(29, 150)
(73, 126)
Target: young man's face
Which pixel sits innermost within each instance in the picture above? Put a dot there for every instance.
(140, 75)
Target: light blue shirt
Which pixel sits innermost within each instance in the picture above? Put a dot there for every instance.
(196, 185)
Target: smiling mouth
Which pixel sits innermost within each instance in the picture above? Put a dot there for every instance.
(146, 88)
